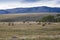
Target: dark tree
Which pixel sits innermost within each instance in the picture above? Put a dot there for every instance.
(48, 18)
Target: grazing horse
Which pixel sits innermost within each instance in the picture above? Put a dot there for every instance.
(10, 24)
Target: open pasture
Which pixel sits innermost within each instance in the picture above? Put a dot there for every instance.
(13, 27)
(29, 31)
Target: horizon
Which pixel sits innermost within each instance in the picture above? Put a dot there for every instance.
(9, 4)
(29, 7)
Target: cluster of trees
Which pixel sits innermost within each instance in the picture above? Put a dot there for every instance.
(50, 18)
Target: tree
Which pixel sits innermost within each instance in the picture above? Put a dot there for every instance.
(58, 19)
(48, 18)
(57, 15)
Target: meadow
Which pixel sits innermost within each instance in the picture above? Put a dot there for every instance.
(29, 30)
(23, 17)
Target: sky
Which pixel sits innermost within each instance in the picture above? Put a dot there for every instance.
(9, 4)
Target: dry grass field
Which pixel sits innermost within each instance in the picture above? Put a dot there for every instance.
(5, 16)
(29, 31)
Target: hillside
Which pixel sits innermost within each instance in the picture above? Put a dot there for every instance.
(23, 17)
(30, 10)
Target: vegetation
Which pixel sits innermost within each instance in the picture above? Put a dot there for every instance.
(24, 31)
(26, 17)
(50, 18)
(43, 29)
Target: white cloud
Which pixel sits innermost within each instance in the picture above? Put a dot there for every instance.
(51, 3)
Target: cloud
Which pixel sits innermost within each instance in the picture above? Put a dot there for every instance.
(29, 1)
(32, 1)
(58, 1)
(8, 4)
(24, 1)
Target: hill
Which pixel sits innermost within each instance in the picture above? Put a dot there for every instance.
(31, 10)
(23, 17)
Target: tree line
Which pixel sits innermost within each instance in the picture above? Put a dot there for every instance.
(50, 18)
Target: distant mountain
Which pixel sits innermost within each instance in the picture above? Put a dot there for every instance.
(30, 10)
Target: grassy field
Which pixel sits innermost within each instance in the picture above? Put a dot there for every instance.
(4, 16)
(29, 31)
(23, 17)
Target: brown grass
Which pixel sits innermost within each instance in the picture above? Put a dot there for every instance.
(29, 32)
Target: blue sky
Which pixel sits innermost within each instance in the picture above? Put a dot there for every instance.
(8, 4)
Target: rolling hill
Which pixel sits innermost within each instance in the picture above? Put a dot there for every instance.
(23, 17)
(31, 10)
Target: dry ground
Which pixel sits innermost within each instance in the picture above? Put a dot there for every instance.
(29, 31)
(5, 16)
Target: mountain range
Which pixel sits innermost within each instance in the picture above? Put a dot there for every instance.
(31, 10)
